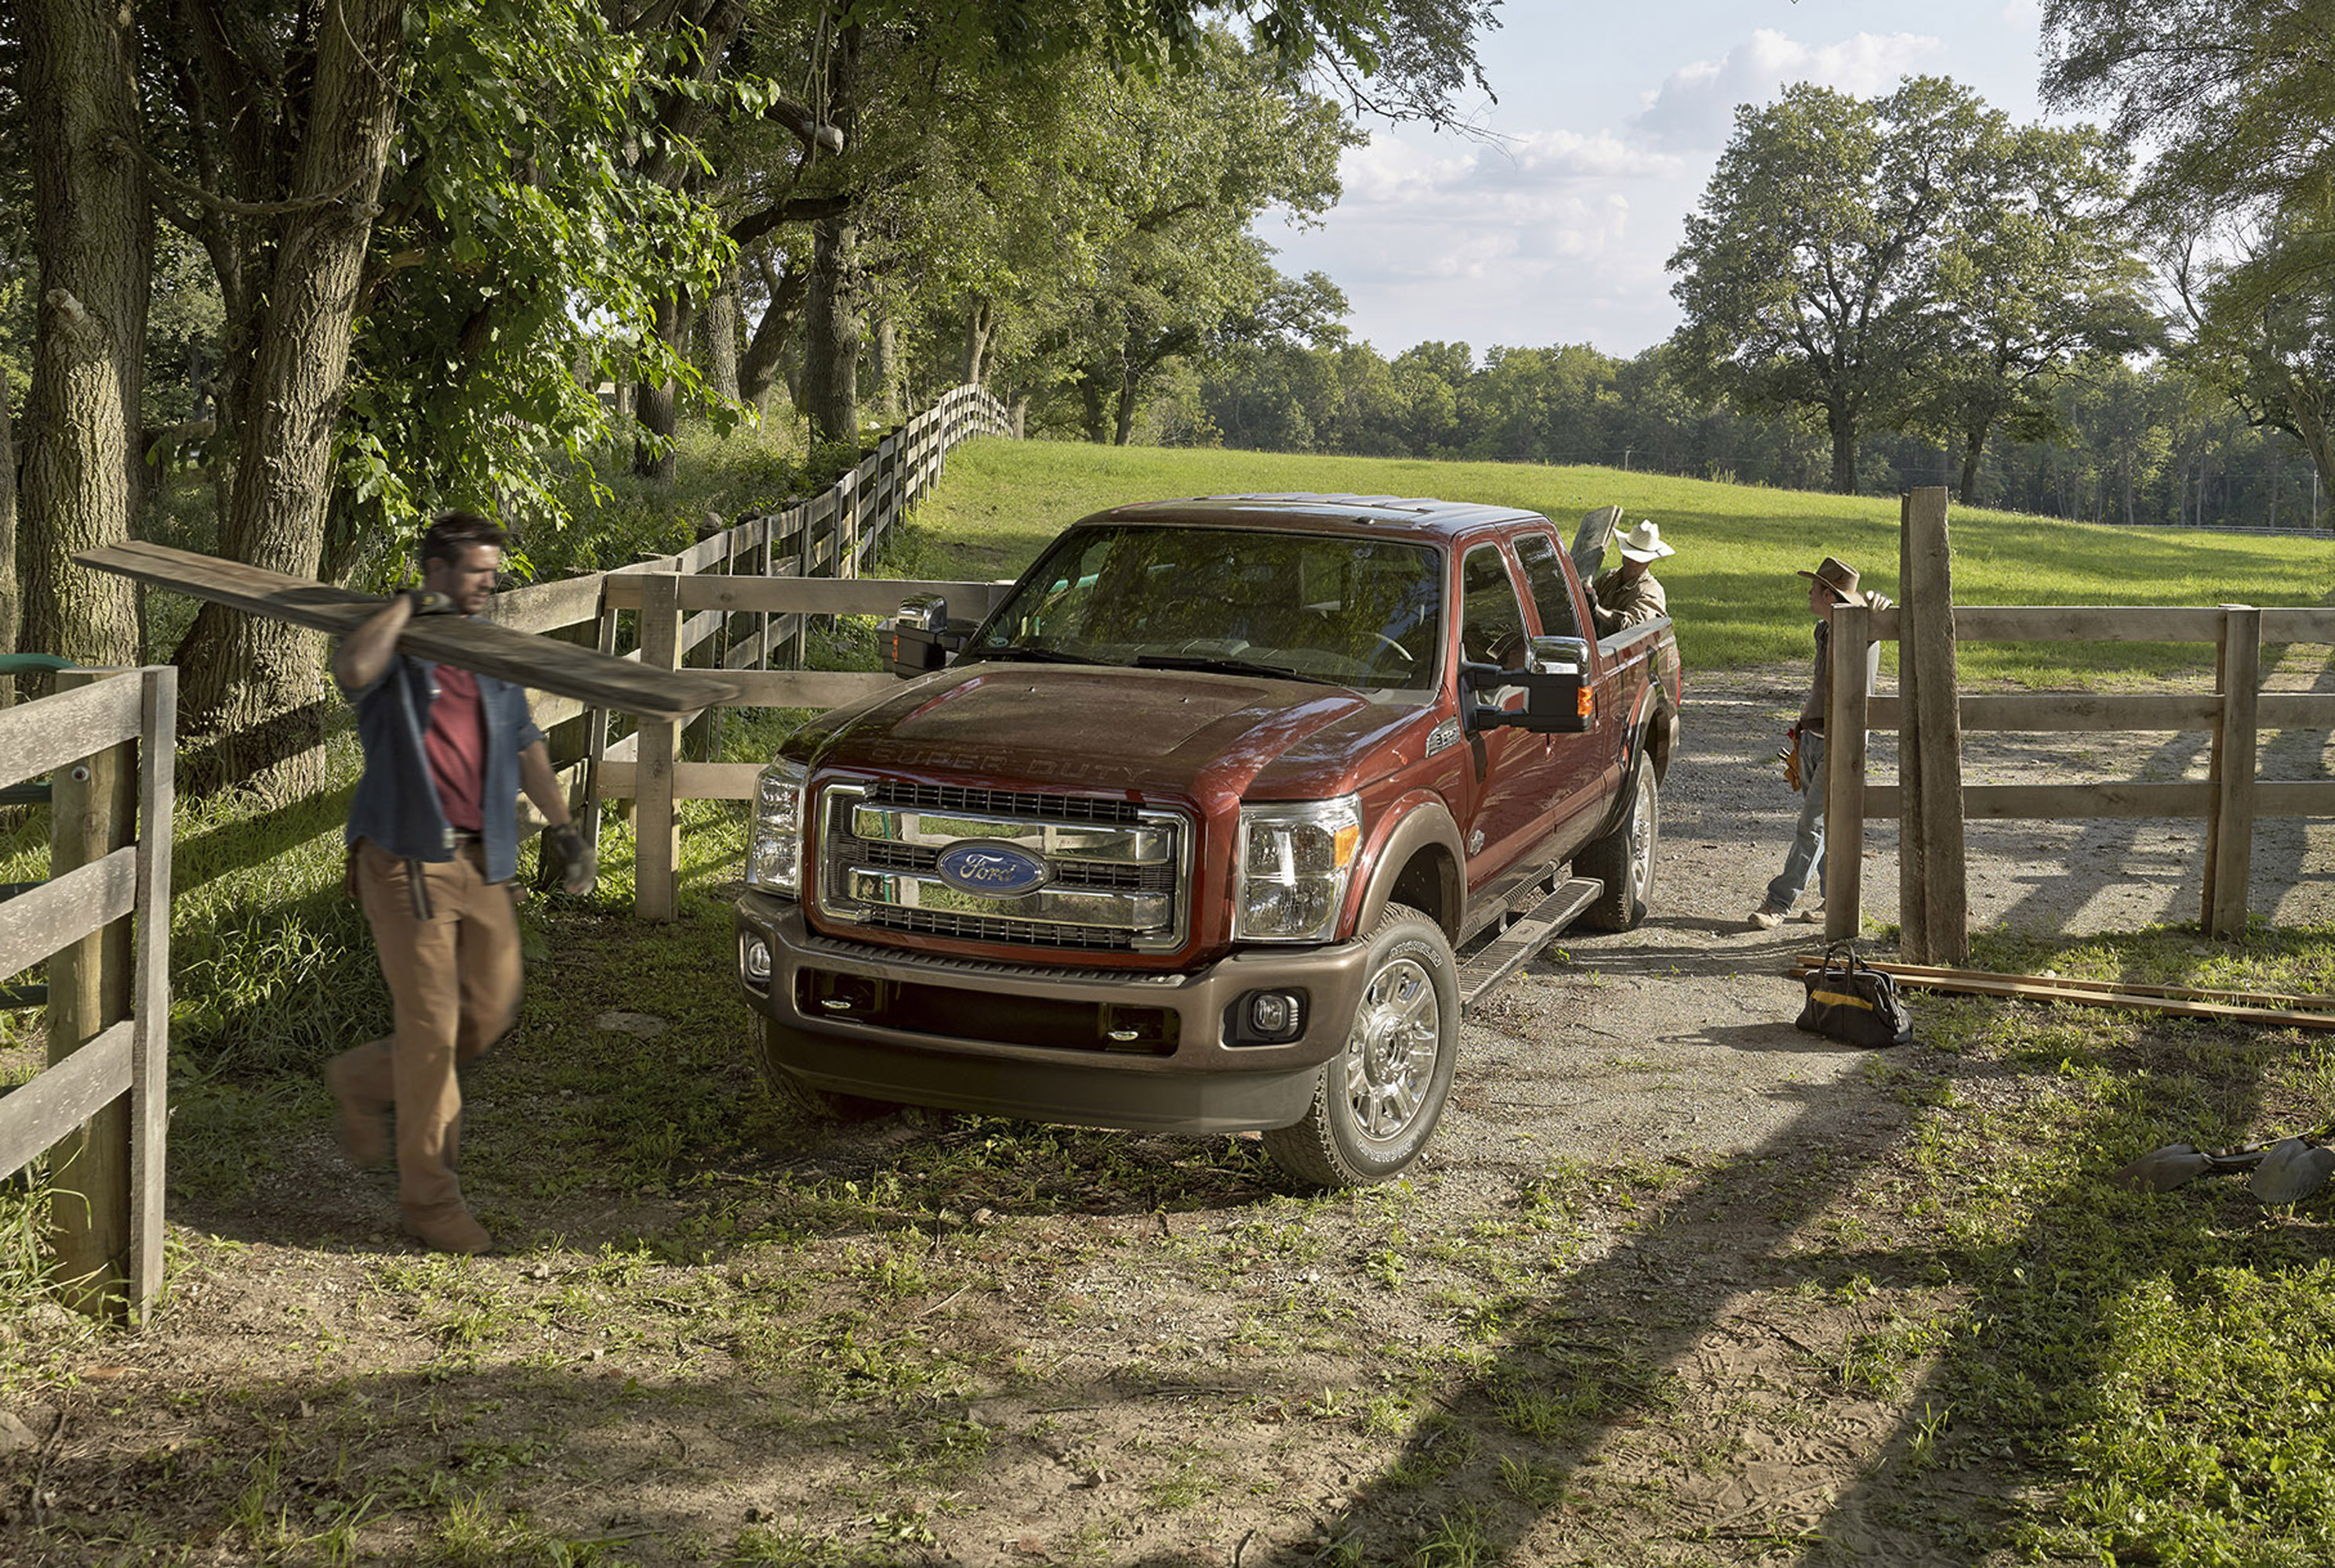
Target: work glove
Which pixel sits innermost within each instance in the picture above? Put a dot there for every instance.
(430, 602)
(579, 868)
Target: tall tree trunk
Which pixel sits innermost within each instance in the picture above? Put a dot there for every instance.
(655, 457)
(830, 375)
(1973, 449)
(1842, 423)
(7, 544)
(884, 366)
(831, 334)
(92, 225)
(252, 684)
(1123, 428)
(758, 368)
(721, 322)
(980, 321)
(1091, 401)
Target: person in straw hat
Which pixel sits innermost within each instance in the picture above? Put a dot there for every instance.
(1628, 595)
(1833, 582)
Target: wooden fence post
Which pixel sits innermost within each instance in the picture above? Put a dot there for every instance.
(2229, 859)
(656, 839)
(150, 1074)
(1934, 906)
(94, 806)
(1845, 770)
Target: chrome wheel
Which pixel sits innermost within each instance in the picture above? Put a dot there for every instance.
(1390, 1057)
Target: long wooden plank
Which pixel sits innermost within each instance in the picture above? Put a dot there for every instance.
(37, 738)
(691, 781)
(2296, 624)
(2044, 712)
(473, 645)
(2086, 624)
(2294, 798)
(2072, 802)
(2034, 988)
(548, 606)
(815, 595)
(2294, 709)
(149, 1048)
(35, 1116)
(57, 913)
(2271, 999)
(808, 688)
(1843, 870)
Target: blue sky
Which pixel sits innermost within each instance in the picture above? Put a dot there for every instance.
(1609, 121)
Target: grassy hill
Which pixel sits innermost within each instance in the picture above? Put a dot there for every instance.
(1731, 585)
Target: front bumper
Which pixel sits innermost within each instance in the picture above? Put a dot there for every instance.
(1092, 1048)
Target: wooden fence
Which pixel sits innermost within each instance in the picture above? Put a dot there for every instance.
(101, 920)
(1931, 713)
(803, 561)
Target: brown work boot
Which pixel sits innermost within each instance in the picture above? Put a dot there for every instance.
(453, 1232)
(362, 1127)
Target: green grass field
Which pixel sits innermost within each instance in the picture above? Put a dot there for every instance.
(1731, 585)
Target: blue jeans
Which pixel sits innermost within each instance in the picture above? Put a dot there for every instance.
(1805, 863)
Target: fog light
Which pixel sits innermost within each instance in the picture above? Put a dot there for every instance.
(755, 958)
(1275, 1016)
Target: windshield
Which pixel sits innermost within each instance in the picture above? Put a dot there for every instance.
(1354, 612)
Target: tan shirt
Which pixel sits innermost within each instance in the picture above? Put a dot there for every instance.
(1619, 602)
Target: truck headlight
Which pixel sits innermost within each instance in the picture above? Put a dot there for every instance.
(1294, 862)
(774, 848)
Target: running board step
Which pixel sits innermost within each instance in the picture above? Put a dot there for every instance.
(1509, 952)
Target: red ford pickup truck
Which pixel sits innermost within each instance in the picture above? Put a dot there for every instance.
(1185, 835)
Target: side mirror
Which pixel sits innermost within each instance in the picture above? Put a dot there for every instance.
(911, 642)
(1558, 698)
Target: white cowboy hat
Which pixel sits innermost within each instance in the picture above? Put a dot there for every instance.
(1644, 543)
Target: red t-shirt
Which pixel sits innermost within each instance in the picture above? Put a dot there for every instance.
(457, 744)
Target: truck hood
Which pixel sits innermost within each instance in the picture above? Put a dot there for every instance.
(1204, 736)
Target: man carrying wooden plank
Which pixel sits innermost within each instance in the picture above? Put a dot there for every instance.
(433, 845)
(1833, 582)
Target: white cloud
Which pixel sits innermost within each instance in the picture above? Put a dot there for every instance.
(1694, 109)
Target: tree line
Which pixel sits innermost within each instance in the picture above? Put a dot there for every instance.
(366, 259)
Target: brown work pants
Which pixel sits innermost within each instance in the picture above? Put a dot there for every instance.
(454, 988)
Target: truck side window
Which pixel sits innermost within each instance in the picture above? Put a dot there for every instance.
(1552, 594)
(1491, 616)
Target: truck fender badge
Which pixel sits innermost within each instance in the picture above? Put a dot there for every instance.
(998, 870)
(1444, 737)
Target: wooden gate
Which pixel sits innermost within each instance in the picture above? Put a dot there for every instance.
(101, 920)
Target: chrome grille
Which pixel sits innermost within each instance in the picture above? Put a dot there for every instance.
(1117, 872)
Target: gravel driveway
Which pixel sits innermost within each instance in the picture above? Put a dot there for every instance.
(1680, 1031)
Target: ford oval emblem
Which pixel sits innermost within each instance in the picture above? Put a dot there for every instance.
(999, 870)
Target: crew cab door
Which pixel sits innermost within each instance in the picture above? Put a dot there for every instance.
(1581, 769)
(1508, 786)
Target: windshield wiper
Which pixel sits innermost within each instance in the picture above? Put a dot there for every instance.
(1030, 653)
(1225, 667)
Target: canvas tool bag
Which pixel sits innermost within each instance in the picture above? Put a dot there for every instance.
(1851, 1001)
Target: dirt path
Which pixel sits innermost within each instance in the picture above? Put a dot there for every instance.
(1600, 1324)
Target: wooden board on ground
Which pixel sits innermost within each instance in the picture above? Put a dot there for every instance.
(566, 669)
(2268, 1009)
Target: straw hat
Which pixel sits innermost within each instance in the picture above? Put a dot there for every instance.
(1644, 543)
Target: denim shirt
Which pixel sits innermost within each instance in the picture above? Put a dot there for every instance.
(396, 804)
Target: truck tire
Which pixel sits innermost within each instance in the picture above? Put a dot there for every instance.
(1376, 1101)
(818, 1104)
(1624, 858)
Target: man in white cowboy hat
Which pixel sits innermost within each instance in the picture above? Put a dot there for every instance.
(1628, 595)
(1833, 582)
